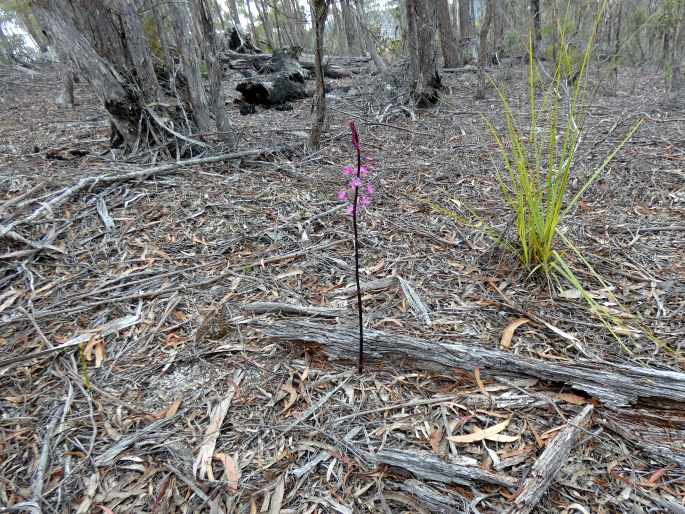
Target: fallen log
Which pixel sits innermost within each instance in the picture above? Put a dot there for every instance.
(335, 68)
(613, 384)
(275, 90)
(549, 464)
(427, 466)
(287, 308)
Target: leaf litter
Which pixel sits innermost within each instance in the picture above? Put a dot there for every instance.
(181, 404)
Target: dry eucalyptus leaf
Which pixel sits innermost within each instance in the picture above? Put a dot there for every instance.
(508, 333)
(479, 434)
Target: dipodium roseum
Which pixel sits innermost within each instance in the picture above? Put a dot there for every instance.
(357, 195)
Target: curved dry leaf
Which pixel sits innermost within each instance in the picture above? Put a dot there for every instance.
(292, 396)
(480, 434)
(502, 438)
(508, 333)
(435, 438)
(231, 470)
(173, 409)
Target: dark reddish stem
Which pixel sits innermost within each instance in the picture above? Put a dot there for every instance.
(356, 261)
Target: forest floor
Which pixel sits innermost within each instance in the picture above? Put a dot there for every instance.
(142, 371)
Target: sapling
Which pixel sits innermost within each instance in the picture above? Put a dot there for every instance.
(358, 195)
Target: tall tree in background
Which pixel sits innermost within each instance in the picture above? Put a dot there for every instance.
(448, 41)
(235, 15)
(211, 54)
(319, 9)
(369, 38)
(350, 27)
(426, 82)
(465, 19)
(483, 49)
(263, 13)
(250, 17)
(536, 14)
(677, 64)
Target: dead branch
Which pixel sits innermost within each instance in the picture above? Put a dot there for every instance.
(428, 466)
(613, 384)
(549, 463)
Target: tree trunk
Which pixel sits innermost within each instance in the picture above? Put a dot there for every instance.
(250, 16)
(61, 19)
(339, 28)
(369, 39)
(160, 15)
(66, 96)
(211, 51)
(448, 41)
(190, 62)
(465, 19)
(483, 49)
(319, 9)
(105, 42)
(536, 15)
(422, 52)
(350, 28)
(678, 66)
(235, 15)
(263, 12)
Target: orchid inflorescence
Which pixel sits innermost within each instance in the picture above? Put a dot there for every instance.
(359, 186)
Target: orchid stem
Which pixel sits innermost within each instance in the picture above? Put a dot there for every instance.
(356, 266)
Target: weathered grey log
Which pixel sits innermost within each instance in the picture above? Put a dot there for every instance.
(335, 68)
(427, 466)
(549, 464)
(288, 308)
(613, 384)
(671, 447)
(433, 500)
(372, 285)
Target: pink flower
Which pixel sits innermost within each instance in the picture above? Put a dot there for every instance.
(355, 182)
(342, 195)
(363, 171)
(370, 188)
(349, 170)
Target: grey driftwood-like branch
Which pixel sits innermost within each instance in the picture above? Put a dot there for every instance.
(288, 308)
(430, 467)
(87, 183)
(549, 463)
(613, 384)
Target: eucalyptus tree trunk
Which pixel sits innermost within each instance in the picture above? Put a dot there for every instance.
(319, 9)
(448, 41)
(340, 38)
(483, 49)
(250, 16)
(678, 64)
(107, 47)
(235, 15)
(369, 38)
(465, 19)
(350, 27)
(422, 52)
(105, 42)
(536, 14)
(188, 49)
(263, 12)
(211, 52)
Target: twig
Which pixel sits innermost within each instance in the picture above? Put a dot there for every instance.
(549, 464)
